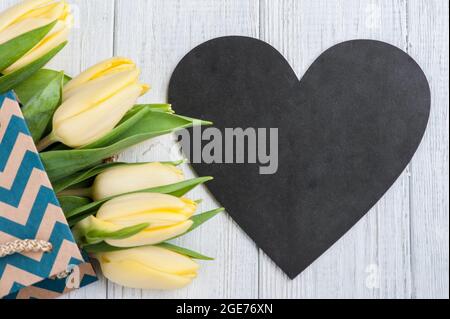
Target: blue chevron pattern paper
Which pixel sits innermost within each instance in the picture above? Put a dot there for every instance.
(29, 209)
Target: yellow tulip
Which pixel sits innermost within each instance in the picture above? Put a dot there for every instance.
(130, 178)
(167, 217)
(148, 268)
(32, 14)
(94, 102)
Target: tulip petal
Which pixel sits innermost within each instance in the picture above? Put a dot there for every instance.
(156, 258)
(110, 66)
(129, 178)
(82, 176)
(95, 93)
(51, 11)
(148, 268)
(110, 112)
(103, 82)
(11, 14)
(135, 275)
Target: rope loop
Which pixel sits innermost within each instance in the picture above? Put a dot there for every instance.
(30, 246)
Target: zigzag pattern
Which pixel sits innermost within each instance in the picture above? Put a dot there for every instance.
(28, 208)
(53, 288)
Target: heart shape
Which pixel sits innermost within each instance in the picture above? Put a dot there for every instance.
(346, 132)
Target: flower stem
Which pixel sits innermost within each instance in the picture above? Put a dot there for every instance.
(80, 192)
(46, 142)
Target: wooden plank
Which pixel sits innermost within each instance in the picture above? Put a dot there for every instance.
(91, 39)
(157, 34)
(428, 44)
(372, 260)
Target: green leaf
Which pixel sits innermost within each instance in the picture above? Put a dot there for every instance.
(132, 112)
(178, 189)
(12, 50)
(184, 251)
(75, 220)
(176, 163)
(69, 203)
(40, 95)
(99, 235)
(102, 248)
(66, 79)
(181, 188)
(148, 125)
(166, 108)
(79, 177)
(36, 83)
(105, 248)
(10, 80)
(138, 121)
(200, 219)
(121, 129)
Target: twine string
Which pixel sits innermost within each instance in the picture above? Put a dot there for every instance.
(29, 246)
(25, 246)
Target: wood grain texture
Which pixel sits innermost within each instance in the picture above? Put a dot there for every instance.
(401, 248)
(428, 27)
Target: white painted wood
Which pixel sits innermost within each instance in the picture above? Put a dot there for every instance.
(428, 43)
(403, 241)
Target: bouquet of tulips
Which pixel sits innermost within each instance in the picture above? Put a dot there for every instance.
(123, 214)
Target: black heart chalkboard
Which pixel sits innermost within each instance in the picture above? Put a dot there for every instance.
(346, 132)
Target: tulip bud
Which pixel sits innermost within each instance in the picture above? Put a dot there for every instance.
(95, 101)
(167, 217)
(130, 178)
(148, 267)
(30, 15)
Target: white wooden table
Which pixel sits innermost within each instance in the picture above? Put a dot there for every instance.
(401, 248)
